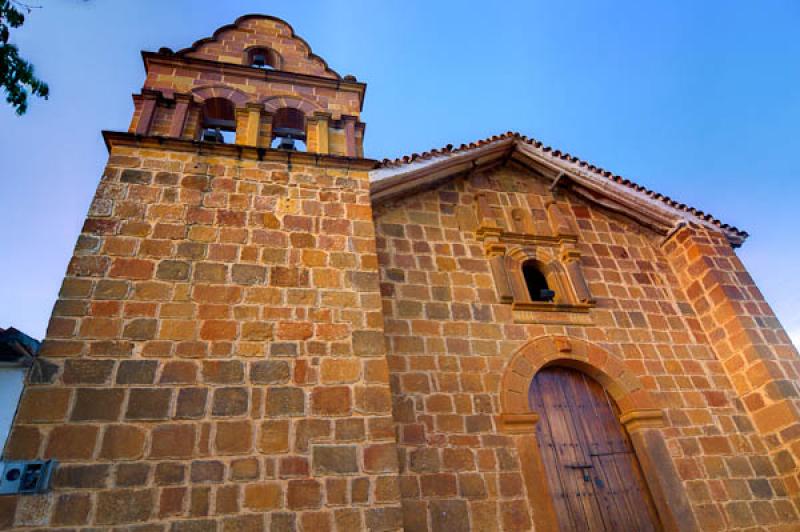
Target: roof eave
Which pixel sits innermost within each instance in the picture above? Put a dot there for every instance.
(393, 182)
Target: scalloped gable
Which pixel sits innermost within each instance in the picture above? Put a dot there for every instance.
(229, 43)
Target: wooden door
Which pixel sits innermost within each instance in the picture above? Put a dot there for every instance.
(592, 471)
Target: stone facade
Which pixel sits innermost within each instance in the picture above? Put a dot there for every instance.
(450, 342)
(258, 339)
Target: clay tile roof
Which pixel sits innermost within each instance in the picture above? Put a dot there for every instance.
(558, 154)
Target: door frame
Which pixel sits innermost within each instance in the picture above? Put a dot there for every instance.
(639, 415)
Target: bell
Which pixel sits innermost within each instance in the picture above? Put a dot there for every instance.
(288, 136)
(213, 135)
(546, 295)
(287, 143)
(259, 60)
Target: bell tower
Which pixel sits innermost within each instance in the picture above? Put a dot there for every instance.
(253, 83)
(216, 351)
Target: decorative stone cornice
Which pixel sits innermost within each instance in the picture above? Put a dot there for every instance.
(231, 69)
(118, 138)
(517, 423)
(649, 418)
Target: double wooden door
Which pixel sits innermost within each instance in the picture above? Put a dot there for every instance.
(592, 471)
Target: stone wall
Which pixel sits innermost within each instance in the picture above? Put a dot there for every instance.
(219, 343)
(749, 341)
(450, 340)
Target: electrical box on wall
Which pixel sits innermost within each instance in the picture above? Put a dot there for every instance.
(31, 476)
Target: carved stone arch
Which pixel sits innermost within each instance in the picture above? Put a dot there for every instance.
(548, 263)
(275, 56)
(238, 97)
(273, 103)
(606, 368)
(639, 414)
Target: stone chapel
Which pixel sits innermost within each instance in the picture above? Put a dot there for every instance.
(261, 329)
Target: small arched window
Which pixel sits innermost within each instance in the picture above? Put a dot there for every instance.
(536, 282)
(289, 129)
(219, 121)
(263, 58)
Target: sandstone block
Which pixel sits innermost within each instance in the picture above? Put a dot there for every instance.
(148, 403)
(269, 372)
(230, 402)
(71, 442)
(244, 469)
(223, 371)
(334, 459)
(285, 402)
(336, 371)
(265, 496)
(116, 507)
(178, 372)
(173, 270)
(331, 401)
(122, 442)
(381, 458)
(42, 405)
(304, 494)
(248, 274)
(207, 471)
(136, 372)
(233, 437)
(81, 476)
(72, 509)
(273, 437)
(368, 343)
(172, 441)
(191, 403)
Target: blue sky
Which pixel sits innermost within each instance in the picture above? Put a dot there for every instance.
(698, 100)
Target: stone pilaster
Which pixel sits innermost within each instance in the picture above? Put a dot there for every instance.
(755, 351)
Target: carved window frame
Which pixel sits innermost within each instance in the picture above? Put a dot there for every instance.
(553, 247)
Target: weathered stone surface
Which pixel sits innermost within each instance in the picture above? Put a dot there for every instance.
(124, 506)
(146, 403)
(136, 372)
(122, 442)
(303, 494)
(230, 402)
(269, 372)
(334, 459)
(251, 341)
(274, 437)
(285, 402)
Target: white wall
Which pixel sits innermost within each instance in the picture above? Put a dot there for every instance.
(11, 383)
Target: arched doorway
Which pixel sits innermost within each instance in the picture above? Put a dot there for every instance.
(594, 477)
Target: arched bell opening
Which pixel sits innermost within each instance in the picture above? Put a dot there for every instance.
(289, 129)
(218, 121)
(536, 282)
(263, 58)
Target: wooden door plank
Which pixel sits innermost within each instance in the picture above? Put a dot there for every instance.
(595, 439)
(627, 467)
(562, 389)
(558, 490)
(598, 415)
(564, 448)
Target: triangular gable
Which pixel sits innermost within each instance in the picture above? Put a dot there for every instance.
(420, 171)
